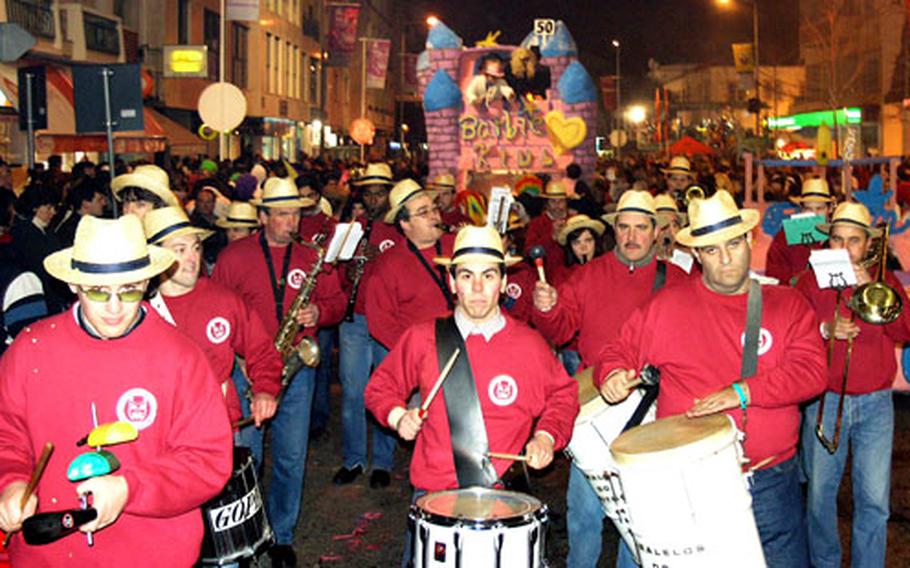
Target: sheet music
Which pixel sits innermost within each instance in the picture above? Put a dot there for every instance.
(833, 268)
(344, 241)
(498, 209)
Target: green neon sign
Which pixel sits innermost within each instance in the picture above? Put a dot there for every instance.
(853, 115)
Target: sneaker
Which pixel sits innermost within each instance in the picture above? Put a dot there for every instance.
(379, 479)
(344, 475)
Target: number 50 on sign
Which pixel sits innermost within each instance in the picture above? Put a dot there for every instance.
(544, 27)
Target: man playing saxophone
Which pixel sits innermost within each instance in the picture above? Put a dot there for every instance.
(860, 369)
(268, 270)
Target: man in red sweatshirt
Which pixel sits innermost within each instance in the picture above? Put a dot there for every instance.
(592, 305)
(786, 262)
(520, 389)
(113, 355)
(868, 412)
(694, 333)
(268, 270)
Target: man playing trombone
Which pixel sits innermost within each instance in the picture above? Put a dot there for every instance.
(858, 407)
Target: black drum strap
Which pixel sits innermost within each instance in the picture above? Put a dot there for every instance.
(753, 327)
(661, 277)
(469, 433)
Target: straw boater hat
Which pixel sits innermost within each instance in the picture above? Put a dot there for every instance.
(853, 214)
(148, 177)
(404, 191)
(576, 222)
(443, 182)
(679, 165)
(715, 220)
(814, 190)
(478, 244)
(665, 207)
(555, 190)
(633, 201)
(108, 252)
(375, 174)
(240, 215)
(169, 222)
(281, 192)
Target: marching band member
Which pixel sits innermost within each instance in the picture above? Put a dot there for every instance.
(542, 230)
(669, 222)
(519, 385)
(135, 368)
(214, 317)
(359, 353)
(444, 187)
(694, 334)
(786, 262)
(267, 270)
(868, 412)
(147, 187)
(241, 221)
(593, 304)
(679, 176)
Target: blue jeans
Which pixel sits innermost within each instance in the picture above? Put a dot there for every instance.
(571, 360)
(584, 521)
(360, 354)
(250, 437)
(289, 436)
(777, 505)
(868, 429)
(321, 403)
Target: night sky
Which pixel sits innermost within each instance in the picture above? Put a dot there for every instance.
(669, 31)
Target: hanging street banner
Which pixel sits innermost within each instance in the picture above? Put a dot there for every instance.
(377, 62)
(743, 58)
(342, 40)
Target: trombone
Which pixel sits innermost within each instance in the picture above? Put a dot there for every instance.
(875, 303)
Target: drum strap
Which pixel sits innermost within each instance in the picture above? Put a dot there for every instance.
(469, 433)
(661, 277)
(753, 327)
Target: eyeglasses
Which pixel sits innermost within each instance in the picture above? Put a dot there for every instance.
(426, 211)
(129, 296)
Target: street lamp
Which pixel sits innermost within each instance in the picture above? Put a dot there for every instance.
(617, 116)
(755, 59)
(432, 21)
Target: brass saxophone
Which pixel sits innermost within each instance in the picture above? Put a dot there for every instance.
(307, 351)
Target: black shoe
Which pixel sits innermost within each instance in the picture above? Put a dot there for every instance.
(379, 479)
(283, 555)
(344, 475)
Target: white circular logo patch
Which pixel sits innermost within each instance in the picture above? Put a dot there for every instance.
(218, 330)
(513, 291)
(386, 245)
(503, 390)
(765, 341)
(295, 278)
(138, 407)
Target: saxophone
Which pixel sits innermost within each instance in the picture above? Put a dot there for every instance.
(307, 351)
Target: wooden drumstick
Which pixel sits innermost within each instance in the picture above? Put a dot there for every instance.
(33, 481)
(538, 262)
(502, 456)
(442, 377)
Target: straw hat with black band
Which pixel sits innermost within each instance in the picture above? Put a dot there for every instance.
(716, 220)
(814, 190)
(404, 191)
(281, 192)
(633, 201)
(169, 222)
(679, 165)
(555, 189)
(150, 178)
(108, 252)
(576, 222)
(478, 244)
(375, 174)
(240, 215)
(666, 206)
(443, 182)
(853, 215)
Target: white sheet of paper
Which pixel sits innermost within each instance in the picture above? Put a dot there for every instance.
(498, 209)
(683, 260)
(344, 242)
(833, 268)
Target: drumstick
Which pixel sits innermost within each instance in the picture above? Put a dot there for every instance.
(33, 480)
(502, 456)
(538, 262)
(442, 377)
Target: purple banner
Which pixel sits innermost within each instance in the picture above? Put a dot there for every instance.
(377, 62)
(410, 84)
(342, 38)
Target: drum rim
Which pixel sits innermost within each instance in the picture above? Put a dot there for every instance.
(711, 443)
(480, 524)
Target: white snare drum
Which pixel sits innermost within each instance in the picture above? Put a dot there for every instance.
(478, 527)
(596, 426)
(688, 498)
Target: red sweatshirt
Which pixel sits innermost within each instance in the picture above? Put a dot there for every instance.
(154, 378)
(695, 337)
(786, 261)
(873, 362)
(519, 297)
(218, 321)
(318, 224)
(403, 293)
(540, 232)
(516, 357)
(242, 268)
(454, 218)
(597, 300)
(383, 236)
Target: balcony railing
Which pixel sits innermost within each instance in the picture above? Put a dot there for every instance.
(101, 34)
(35, 16)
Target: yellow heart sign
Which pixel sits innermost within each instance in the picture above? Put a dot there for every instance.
(565, 133)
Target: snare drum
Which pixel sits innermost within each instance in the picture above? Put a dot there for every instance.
(596, 426)
(688, 498)
(235, 522)
(478, 527)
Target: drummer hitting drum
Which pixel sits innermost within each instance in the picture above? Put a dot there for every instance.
(698, 334)
(504, 382)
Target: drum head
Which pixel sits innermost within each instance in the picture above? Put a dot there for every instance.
(586, 389)
(675, 436)
(478, 504)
